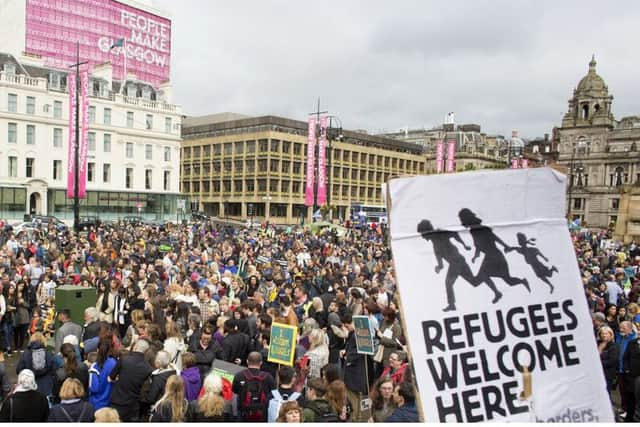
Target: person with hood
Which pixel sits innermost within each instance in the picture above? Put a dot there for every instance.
(191, 376)
(317, 409)
(25, 404)
(157, 381)
(72, 407)
(99, 384)
(39, 360)
(407, 412)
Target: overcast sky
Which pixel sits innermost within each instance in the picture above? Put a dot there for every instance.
(384, 65)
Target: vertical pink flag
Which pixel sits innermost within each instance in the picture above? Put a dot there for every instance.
(514, 163)
(84, 135)
(451, 156)
(322, 163)
(524, 163)
(439, 157)
(71, 85)
(311, 160)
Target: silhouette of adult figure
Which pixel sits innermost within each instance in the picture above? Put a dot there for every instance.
(444, 249)
(531, 254)
(494, 264)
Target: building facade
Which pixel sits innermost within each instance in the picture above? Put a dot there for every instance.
(134, 130)
(256, 167)
(599, 153)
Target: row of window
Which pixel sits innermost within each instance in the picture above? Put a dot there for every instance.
(284, 147)
(273, 186)
(616, 179)
(58, 173)
(30, 108)
(581, 203)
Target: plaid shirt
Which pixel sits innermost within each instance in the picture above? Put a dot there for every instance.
(208, 309)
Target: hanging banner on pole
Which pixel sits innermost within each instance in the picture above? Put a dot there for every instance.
(505, 334)
(71, 159)
(322, 162)
(451, 156)
(439, 157)
(524, 163)
(311, 160)
(84, 134)
(514, 163)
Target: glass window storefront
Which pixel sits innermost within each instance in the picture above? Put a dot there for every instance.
(114, 205)
(12, 203)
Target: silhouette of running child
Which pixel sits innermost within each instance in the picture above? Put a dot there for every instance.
(444, 249)
(531, 255)
(494, 264)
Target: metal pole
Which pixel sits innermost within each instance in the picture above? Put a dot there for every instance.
(570, 183)
(76, 198)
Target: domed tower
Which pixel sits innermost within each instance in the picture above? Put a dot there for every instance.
(591, 102)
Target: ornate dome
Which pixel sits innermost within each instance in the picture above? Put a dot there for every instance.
(592, 83)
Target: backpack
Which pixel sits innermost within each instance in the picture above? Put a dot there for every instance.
(39, 361)
(328, 416)
(276, 402)
(253, 398)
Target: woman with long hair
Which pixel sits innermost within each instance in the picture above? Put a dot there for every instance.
(106, 301)
(210, 407)
(172, 407)
(99, 385)
(71, 369)
(21, 317)
(383, 403)
(337, 397)
(318, 353)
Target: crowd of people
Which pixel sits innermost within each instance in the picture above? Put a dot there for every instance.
(611, 280)
(181, 326)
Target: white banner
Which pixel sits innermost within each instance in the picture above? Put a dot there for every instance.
(490, 285)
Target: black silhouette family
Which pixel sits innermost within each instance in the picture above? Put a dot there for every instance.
(494, 263)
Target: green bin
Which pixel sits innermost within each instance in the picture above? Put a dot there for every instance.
(76, 299)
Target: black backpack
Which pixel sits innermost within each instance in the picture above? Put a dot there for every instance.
(253, 397)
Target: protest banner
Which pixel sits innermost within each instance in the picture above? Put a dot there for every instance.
(505, 333)
(282, 347)
(364, 338)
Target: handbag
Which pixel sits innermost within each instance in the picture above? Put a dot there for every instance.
(379, 354)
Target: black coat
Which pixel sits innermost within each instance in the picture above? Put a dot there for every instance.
(81, 412)
(156, 388)
(28, 406)
(205, 356)
(235, 346)
(354, 369)
(91, 331)
(610, 359)
(131, 372)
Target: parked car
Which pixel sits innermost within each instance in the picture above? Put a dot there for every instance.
(133, 220)
(89, 221)
(199, 216)
(45, 220)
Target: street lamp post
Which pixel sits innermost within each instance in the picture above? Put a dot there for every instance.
(332, 133)
(76, 153)
(571, 175)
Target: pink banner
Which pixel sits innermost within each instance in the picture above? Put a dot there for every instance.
(524, 163)
(322, 163)
(311, 160)
(84, 134)
(54, 26)
(451, 156)
(514, 163)
(71, 159)
(439, 157)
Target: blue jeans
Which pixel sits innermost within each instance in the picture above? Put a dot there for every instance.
(7, 335)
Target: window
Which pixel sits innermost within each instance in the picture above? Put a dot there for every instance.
(92, 114)
(275, 145)
(128, 179)
(31, 134)
(129, 150)
(148, 174)
(167, 124)
(91, 172)
(615, 203)
(57, 109)
(167, 181)
(12, 103)
(57, 170)
(251, 146)
(30, 164)
(107, 116)
(228, 148)
(129, 119)
(167, 154)
(250, 185)
(148, 152)
(577, 203)
(12, 134)
(106, 173)
(91, 141)
(31, 105)
(149, 122)
(57, 137)
(106, 143)
(13, 166)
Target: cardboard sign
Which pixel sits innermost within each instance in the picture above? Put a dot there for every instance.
(505, 333)
(364, 338)
(282, 347)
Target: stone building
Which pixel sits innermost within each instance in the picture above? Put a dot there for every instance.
(600, 153)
